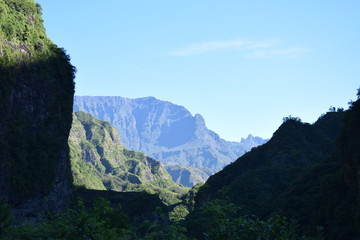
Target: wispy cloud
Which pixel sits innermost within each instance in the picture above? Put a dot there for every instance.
(199, 48)
(252, 49)
(292, 52)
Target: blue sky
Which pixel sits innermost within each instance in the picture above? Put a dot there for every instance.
(243, 65)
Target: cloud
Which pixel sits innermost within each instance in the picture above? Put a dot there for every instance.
(251, 49)
(199, 48)
(292, 52)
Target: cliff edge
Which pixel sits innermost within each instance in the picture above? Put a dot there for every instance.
(36, 95)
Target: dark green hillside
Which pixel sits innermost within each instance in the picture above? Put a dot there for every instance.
(328, 195)
(100, 161)
(256, 180)
(36, 95)
(308, 173)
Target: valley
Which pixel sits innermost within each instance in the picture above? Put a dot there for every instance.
(109, 168)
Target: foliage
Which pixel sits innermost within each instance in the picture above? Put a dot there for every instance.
(323, 198)
(100, 161)
(6, 218)
(220, 219)
(291, 118)
(328, 194)
(349, 142)
(256, 180)
(309, 173)
(244, 228)
(179, 213)
(22, 32)
(100, 222)
(36, 94)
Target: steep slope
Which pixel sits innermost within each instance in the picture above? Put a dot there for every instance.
(302, 173)
(256, 180)
(165, 131)
(328, 195)
(99, 161)
(186, 175)
(36, 95)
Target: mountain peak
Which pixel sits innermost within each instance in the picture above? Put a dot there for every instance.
(250, 136)
(200, 121)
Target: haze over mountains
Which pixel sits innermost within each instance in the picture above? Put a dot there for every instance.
(168, 133)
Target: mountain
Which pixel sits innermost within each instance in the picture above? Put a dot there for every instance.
(308, 173)
(328, 195)
(99, 161)
(261, 175)
(166, 132)
(36, 97)
(187, 176)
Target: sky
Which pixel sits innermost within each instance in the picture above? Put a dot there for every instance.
(243, 65)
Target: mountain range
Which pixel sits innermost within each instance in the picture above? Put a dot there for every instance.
(168, 133)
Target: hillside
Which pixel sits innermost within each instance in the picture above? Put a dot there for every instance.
(187, 176)
(260, 176)
(305, 172)
(167, 132)
(100, 161)
(36, 96)
(328, 195)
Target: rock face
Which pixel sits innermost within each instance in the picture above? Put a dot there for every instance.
(99, 161)
(186, 175)
(165, 131)
(36, 92)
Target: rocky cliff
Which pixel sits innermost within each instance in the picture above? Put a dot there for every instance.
(166, 132)
(36, 95)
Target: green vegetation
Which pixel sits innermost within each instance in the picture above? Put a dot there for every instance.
(328, 195)
(102, 220)
(6, 219)
(304, 182)
(220, 219)
(308, 173)
(36, 94)
(22, 33)
(99, 161)
(262, 175)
